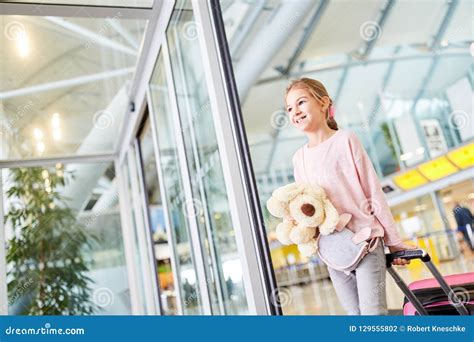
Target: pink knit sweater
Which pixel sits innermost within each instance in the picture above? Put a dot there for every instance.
(342, 167)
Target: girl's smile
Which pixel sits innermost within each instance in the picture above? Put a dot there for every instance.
(305, 111)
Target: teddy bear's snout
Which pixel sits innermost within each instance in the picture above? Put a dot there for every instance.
(308, 209)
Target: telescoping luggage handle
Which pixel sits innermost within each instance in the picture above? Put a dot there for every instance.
(421, 254)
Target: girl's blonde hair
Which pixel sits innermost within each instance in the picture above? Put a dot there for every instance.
(316, 89)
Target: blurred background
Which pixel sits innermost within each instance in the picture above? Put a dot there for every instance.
(400, 74)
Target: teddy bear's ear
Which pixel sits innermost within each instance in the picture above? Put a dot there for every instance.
(288, 192)
(277, 208)
(330, 220)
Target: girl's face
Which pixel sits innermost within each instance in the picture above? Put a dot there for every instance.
(305, 111)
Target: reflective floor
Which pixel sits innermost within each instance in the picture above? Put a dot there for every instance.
(319, 298)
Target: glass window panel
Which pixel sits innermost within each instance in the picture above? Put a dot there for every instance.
(169, 163)
(69, 97)
(207, 180)
(137, 257)
(163, 248)
(119, 3)
(65, 253)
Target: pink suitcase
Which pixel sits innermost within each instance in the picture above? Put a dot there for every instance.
(450, 295)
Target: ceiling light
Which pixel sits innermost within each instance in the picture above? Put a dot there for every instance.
(55, 120)
(40, 146)
(56, 134)
(23, 44)
(38, 134)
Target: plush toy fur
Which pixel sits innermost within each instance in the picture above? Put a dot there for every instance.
(306, 212)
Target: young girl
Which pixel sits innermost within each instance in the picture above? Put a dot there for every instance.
(336, 160)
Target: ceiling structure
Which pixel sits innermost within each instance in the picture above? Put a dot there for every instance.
(410, 51)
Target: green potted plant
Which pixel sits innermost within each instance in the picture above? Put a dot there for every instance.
(47, 272)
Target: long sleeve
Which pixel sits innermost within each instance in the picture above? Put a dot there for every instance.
(376, 203)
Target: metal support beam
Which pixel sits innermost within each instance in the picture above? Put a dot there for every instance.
(92, 36)
(65, 83)
(74, 11)
(154, 35)
(370, 44)
(335, 66)
(75, 159)
(268, 42)
(452, 5)
(124, 33)
(244, 29)
(308, 30)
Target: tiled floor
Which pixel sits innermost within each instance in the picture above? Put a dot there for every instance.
(319, 298)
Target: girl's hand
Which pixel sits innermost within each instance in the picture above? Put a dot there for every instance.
(397, 248)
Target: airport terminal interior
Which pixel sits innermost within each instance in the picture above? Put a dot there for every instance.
(141, 139)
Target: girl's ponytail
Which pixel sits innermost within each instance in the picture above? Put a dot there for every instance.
(330, 116)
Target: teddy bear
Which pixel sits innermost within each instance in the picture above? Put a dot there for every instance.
(306, 212)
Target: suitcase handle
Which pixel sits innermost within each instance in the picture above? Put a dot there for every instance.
(408, 254)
